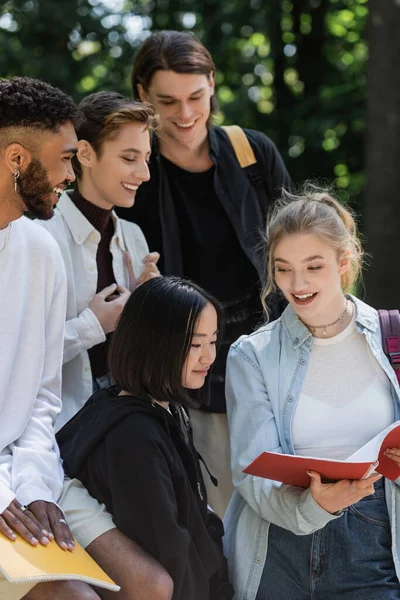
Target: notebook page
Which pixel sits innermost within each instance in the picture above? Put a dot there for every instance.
(370, 451)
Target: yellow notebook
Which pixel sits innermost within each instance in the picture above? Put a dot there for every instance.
(22, 563)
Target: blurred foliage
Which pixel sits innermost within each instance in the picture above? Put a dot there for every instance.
(294, 69)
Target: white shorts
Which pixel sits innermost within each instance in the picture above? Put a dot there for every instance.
(87, 519)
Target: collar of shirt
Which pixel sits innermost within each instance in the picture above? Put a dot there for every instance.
(79, 225)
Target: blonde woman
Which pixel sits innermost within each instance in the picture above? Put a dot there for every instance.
(315, 383)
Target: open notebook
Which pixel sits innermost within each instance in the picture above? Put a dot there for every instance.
(22, 563)
(368, 459)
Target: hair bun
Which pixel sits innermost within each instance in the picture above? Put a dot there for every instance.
(315, 194)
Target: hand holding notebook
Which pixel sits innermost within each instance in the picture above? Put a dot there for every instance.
(292, 469)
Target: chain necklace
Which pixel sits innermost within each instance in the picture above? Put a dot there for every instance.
(7, 238)
(333, 324)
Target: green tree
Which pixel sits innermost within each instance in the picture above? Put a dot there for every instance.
(74, 44)
(295, 69)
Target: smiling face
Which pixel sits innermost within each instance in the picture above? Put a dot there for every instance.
(308, 272)
(202, 350)
(48, 174)
(112, 177)
(182, 101)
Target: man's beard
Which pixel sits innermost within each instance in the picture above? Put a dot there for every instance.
(35, 190)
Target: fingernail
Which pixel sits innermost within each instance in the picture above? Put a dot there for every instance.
(64, 546)
(71, 546)
(50, 536)
(13, 536)
(309, 473)
(34, 540)
(45, 540)
(45, 532)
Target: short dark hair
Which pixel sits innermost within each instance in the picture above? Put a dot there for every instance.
(27, 102)
(178, 51)
(104, 113)
(152, 340)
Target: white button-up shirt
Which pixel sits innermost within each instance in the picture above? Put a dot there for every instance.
(78, 241)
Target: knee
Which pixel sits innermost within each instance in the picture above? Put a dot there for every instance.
(162, 586)
(149, 584)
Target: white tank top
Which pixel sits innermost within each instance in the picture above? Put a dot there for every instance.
(345, 399)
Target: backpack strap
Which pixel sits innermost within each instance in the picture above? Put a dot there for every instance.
(248, 161)
(241, 145)
(390, 329)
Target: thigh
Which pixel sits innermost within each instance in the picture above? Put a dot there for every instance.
(211, 439)
(86, 517)
(287, 567)
(139, 575)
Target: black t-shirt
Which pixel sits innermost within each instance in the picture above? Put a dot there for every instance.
(213, 258)
(211, 252)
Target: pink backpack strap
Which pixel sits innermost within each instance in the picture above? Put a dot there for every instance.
(390, 329)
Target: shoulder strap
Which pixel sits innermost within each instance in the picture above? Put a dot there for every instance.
(390, 329)
(241, 145)
(248, 161)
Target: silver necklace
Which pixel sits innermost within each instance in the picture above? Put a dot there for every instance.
(339, 321)
(7, 238)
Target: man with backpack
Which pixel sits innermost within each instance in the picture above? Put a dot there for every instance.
(204, 210)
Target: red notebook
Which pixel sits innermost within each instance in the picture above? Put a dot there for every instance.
(368, 459)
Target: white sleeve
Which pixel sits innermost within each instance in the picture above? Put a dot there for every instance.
(6, 494)
(253, 430)
(81, 333)
(36, 472)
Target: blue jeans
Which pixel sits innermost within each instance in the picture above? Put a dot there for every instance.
(349, 559)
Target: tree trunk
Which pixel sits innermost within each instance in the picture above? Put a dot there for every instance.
(382, 206)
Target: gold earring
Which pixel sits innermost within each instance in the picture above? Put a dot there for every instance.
(16, 176)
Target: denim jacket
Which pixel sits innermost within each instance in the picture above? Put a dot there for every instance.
(265, 374)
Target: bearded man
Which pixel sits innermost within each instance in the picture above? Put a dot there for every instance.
(37, 143)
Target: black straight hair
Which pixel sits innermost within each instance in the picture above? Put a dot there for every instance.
(152, 340)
